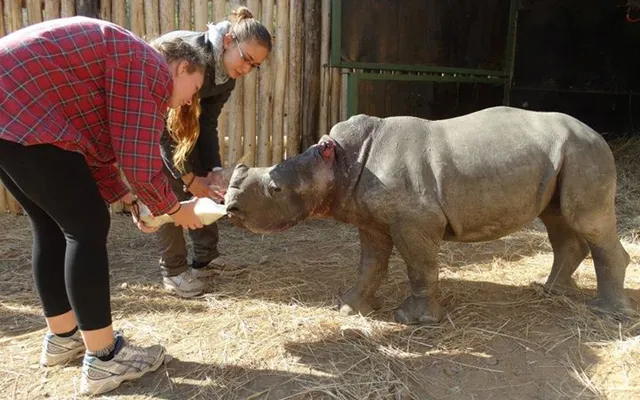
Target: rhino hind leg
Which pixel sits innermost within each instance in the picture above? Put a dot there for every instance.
(419, 252)
(375, 249)
(588, 206)
(569, 250)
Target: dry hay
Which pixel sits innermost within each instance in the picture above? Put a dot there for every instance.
(274, 332)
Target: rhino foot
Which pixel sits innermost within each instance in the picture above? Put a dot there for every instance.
(352, 304)
(618, 309)
(566, 287)
(419, 311)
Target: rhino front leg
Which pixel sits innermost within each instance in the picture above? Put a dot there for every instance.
(419, 250)
(375, 249)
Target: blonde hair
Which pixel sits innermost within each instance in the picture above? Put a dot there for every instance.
(245, 28)
(184, 128)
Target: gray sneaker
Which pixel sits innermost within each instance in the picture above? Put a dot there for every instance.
(219, 266)
(131, 362)
(59, 350)
(184, 285)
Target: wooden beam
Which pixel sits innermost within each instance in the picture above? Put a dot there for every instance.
(88, 8)
(296, 16)
(265, 114)
(185, 14)
(250, 101)
(311, 73)
(151, 19)
(219, 14)
(105, 10)
(119, 12)
(137, 17)
(167, 16)
(281, 51)
(67, 8)
(200, 14)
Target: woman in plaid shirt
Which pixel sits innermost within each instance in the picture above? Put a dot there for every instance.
(77, 96)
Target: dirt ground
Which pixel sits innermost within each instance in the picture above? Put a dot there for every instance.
(274, 333)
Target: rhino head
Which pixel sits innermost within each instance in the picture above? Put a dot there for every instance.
(275, 198)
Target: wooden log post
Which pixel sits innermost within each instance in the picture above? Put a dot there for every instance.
(151, 19)
(119, 13)
(3, 199)
(236, 115)
(137, 17)
(88, 8)
(13, 12)
(2, 33)
(265, 114)
(250, 103)
(105, 10)
(344, 93)
(67, 8)
(167, 16)
(281, 58)
(200, 14)
(311, 75)
(185, 14)
(294, 116)
(325, 85)
(52, 9)
(219, 14)
(34, 11)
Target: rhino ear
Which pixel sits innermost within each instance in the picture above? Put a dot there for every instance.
(327, 149)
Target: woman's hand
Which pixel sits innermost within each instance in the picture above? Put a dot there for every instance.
(199, 188)
(135, 215)
(185, 215)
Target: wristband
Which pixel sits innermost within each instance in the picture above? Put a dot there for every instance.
(185, 187)
(179, 207)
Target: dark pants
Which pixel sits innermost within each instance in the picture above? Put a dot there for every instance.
(171, 241)
(70, 223)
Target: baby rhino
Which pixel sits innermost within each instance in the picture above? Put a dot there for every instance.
(414, 183)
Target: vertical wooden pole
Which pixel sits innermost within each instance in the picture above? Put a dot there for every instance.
(14, 14)
(119, 13)
(52, 9)
(296, 16)
(219, 14)
(324, 68)
(151, 19)
(137, 17)
(88, 8)
(281, 58)
(105, 10)
(34, 11)
(167, 16)
(265, 114)
(249, 98)
(200, 14)
(185, 10)
(311, 75)
(3, 199)
(67, 8)
(2, 33)
(236, 116)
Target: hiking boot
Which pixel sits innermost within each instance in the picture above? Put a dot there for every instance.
(130, 362)
(218, 266)
(59, 350)
(184, 285)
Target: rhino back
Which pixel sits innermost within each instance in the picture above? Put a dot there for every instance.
(487, 172)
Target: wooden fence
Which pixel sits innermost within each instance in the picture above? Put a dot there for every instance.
(274, 112)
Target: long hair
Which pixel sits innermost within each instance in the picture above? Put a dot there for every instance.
(184, 127)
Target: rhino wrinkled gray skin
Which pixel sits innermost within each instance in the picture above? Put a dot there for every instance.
(415, 183)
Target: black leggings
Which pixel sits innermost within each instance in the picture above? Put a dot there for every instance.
(70, 222)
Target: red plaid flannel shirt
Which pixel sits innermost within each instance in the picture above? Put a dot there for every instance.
(92, 87)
